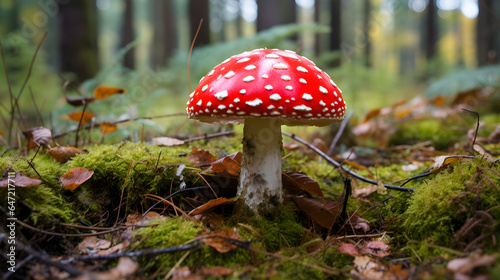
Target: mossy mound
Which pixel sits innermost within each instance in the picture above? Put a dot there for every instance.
(440, 207)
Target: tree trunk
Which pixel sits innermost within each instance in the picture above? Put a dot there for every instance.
(78, 38)
(128, 34)
(335, 28)
(165, 38)
(366, 32)
(275, 12)
(431, 28)
(198, 10)
(488, 32)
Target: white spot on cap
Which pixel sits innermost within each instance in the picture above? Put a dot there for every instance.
(254, 103)
(204, 88)
(302, 80)
(229, 111)
(209, 104)
(308, 115)
(207, 111)
(293, 98)
(319, 115)
(286, 78)
(272, 55)
(322, 103)
(316, 67)
(236, 100)
(333, 83)
(248, 79)
(229, 74)
(307, 96)
(241, 113)
(199, 103)
(289, 87)
(243, 91)
(325, 109)
(275, 113)
(268, 87)
(191, 94)
(280, 107)
(218, 77)
(302, 69)
(221, 94)
(275, 97)
(319, 77)
(280, 66)
(335, 94)
(302, 108)
(250, 67)
(211, 72)
(270, 107)
(226, 60)
(243, 60)
(333, 110)
(231, 106)
(340, 98)
(221, 107)
(323, 90)
(202, 78)
(255, 114)
(265, 76)
(287, 101)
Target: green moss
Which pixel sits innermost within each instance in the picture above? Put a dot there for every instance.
(441, 206)
(177, 231)
(276, 231)
(440, 133)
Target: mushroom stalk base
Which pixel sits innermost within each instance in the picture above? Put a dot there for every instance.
(260, 175)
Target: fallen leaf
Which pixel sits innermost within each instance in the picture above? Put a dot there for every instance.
(41, 136)
(184, 273)
(63, 154)
(442, 162)
(349, 249)
(78, 101)
(215, 271)
(298, 180)
(167, 141)
(115, 249)
(219, 239)
(438, 100)
(107, 127)
(484, 152)
(103, 92)
(372, 114)
(77, 116)
(229, 164)
(377, 248)
(125, 268)
(92, 244)
(367, 268)
(75, 177)
(21, 181)
(364, 191)
(201, 156)
(360, 223)
(211, 204)
(136, 218)
(467, 265)
(321, 210)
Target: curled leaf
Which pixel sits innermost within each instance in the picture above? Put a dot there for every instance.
(41, 136)
(78, 101)
(63, 154)
(299, 180)
(211, 204)
(442, 162)
(167, 141)
(201, 156)
(229, 164)
(323, 211)
(103, 92)
(75, 177)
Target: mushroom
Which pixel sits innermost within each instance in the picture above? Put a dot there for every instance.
(264, 89)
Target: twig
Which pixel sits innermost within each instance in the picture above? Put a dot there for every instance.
(175, 206)
(171, 195)
(343, 124)
(123, 190)
(39, 176)
(336, 164)
(477, 124)
(120, 121)
(43, 258)
(190, 52)
(69, 234)
(80, 123)
(416, 177)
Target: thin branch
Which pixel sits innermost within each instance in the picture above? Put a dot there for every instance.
(336, 164)
(190, 52)
(208, 136)
(343, 124)
(477, 124)
(69, 234)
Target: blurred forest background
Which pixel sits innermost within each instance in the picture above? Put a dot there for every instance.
(378, 51)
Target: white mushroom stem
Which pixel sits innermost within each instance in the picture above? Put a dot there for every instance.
(260, 174)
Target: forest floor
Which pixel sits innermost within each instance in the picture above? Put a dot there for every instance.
(164, 209)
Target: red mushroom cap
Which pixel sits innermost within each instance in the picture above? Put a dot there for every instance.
(267, 83)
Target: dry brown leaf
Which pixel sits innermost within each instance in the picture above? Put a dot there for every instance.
(184, 273)
(78, 101)
(211, 204)
(117, 248)
(219, 239)
(484, 152)
(364, 191)
(75, 177)
(63, 154)
(215, 271)
(41, 136)
(103, 92)
(371, 269)
(377, 248)
(167, 141)
(372, 114)
(442, 162)
(229, 164)
(360, 223)
(136, 218)
(107, 127)
(125, 268)
(467, 265)
(92, 244)
(438, 100)
(300, 181)
(21, 181)
(323, 211)
(76, 116)
(349, 249)
(201, 156)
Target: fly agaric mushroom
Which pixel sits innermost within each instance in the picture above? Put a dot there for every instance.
(265, 88)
